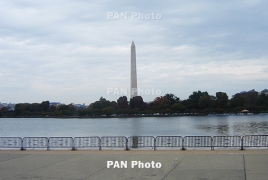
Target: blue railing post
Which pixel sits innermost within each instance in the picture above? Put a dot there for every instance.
(154, 144)
(73, 148)
(183, 148)
(127, 144)
(212, 141)
(242, 142)
(100, 143)
(48, 148)
(22, 148)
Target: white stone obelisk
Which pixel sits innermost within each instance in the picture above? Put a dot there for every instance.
(133, 73)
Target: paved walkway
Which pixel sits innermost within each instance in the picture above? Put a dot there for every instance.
(182, 165)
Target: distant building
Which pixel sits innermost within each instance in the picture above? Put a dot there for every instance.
(265, 91)
(9, 106)
(250, 95)
(79, 105)
(54, 103)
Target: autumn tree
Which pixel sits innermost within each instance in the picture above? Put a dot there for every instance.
(161, 103)
(172, 98)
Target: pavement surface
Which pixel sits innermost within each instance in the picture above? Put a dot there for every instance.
(175, 164)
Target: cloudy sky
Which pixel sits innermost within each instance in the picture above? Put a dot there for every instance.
(74, 51)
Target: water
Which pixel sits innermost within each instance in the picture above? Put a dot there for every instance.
(152, 126)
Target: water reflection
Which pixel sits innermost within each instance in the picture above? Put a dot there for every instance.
(215, 129)
(135, 127)
(251, 128)
(153, 126)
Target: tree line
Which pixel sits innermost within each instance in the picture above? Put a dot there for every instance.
(198, 103)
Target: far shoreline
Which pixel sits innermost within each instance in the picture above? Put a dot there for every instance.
(95, 117)
(130, 116)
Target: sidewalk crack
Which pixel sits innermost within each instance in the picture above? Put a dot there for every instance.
(174, 167)
(245, 173)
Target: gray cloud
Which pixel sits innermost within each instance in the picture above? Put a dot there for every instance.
(70, 52)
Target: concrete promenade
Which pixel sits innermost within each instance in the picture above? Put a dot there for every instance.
(92, 164)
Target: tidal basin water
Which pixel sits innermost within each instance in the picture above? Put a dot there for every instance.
(153, 126)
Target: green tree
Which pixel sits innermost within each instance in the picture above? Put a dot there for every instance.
(85, 112)
(136, 102)
(219, 110)
(192, 101)
(18, 109)
(101, 107)
(4, 111)
(178, 107)
(67, 110)
(161, 103)
(44, 105)
(221, 99)
(108, 111)
(205, 102)
(238, 101)
(52, 108)
(35, 107)
(102, 103)
(172, 98)
(262, 100)
(122, 102)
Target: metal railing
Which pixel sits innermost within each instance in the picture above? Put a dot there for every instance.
(226, 141)
(60, 142)
(34, 142)
(135, 142)
(197, 141)
(86, 142)
(254, 141)
(168, 141)
(10, 142)
(141, 142)
(113, 142)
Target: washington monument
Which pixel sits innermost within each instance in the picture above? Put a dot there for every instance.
(133, 73)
